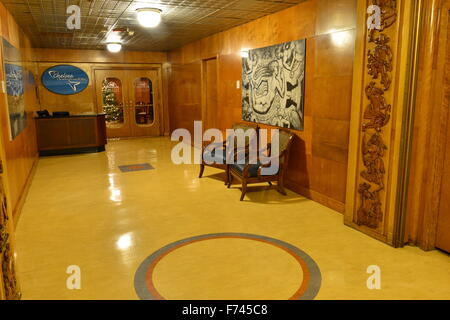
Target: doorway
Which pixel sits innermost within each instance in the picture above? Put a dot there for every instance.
(130, 99)
(209, 94)
(429, 188)
(443, 224)
(443, 221)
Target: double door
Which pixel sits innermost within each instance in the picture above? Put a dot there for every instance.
(443, 230)
(130, 100)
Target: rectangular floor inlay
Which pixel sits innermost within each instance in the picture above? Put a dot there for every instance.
(136, 167)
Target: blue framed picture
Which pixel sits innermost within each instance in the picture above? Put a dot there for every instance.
(14, 74)
(65, 79)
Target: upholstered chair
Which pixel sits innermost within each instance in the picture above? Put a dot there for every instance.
(219, 160)
(249, 173)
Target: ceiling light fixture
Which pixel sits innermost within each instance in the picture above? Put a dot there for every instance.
(114, 47)
(149, 17)
(341, 39)
(245, 53)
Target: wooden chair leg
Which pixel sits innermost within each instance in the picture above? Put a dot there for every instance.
(230, 179)
(280, 187)
(227, 176)
(244, 189)
(202, 169)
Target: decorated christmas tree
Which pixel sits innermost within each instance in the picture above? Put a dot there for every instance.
(110, 106)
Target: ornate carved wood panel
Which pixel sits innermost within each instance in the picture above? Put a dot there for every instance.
(7, 261)
(380, 80)
(377, 115)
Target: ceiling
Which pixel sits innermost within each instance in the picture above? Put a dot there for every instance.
(184, 21)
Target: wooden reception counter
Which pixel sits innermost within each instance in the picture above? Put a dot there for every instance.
(71, 134)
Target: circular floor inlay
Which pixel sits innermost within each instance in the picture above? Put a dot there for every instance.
(228, 266)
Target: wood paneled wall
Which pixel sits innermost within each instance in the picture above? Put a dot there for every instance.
(185, 100)
(21, 153)
(98, 56)
(318, 166)
(79, 103)
(87, 60)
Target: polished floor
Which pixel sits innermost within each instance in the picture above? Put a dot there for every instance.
(83, 210)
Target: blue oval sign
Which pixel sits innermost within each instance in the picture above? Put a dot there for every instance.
(65, 79)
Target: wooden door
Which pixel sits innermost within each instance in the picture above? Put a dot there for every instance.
(443, 231)
(112, 87)
(144, 102)
(185, 96)
(209, 93)
(443, 223)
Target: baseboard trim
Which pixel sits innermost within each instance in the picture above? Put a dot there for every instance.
(63, 152)
(23, 196)
(316, 196)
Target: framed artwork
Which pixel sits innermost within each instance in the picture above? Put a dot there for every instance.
(15, 78)
(273, 85)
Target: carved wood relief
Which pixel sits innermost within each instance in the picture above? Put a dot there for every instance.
(377, 116)
(388, 13)
(8, 272)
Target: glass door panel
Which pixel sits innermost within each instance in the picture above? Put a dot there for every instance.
(144, 99)
(111, 88)
(143, 104)
(112, 96)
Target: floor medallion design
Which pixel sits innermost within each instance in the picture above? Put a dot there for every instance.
(305, 269)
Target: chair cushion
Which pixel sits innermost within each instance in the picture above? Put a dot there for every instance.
(252, 172)
(213, 157)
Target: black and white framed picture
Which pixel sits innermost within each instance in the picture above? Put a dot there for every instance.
(273, 85)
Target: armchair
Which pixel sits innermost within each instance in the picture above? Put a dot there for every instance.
(222, 158)
(252, 173)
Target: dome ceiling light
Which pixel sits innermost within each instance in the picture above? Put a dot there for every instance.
(114, 39)
(149, 17)
(114, 47)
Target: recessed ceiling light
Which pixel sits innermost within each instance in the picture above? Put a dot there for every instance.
(149, 17)
(114, 47)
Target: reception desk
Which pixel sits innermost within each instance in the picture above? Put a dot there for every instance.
(71, 134)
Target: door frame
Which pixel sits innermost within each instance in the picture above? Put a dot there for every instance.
(204, 87)
(159, 88)
(431, 123)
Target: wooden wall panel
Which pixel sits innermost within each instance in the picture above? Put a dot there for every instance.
(98, 56)
(20, 154)
(230, 100)
(185, 96)
(318, 166)
(335, 15)
(87, 60)
(82, 102)
(4, 22)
